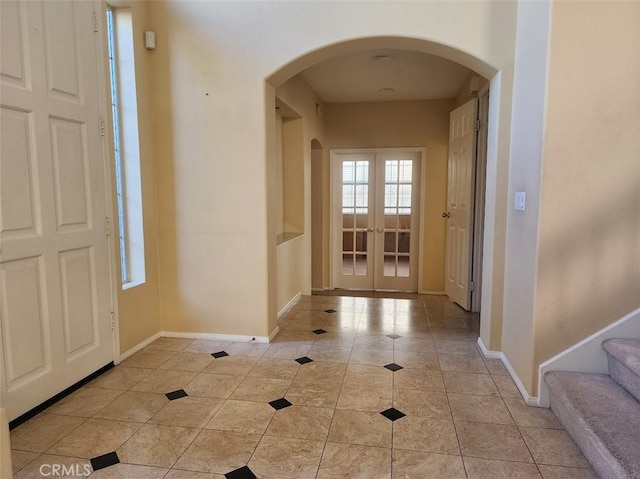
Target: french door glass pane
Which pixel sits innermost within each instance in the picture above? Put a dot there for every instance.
(398, 175)
(355, 217)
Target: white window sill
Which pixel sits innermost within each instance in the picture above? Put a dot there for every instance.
(131, 284)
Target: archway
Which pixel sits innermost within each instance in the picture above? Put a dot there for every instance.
(300, 63)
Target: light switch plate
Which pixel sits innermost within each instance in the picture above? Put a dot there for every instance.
(521, 199)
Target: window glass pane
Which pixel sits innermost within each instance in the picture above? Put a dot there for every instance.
(361, 265)
(362, 195)
(348, 195)
(348, 171)
(347, 220)
(391, 171)
(362, 221)
(403, 242)
(403, 266)
(115, 111)
(347, 241)
(404, 222)
(405, 171)
(361, 241)
(390, 219)
(362, 172)
(390, 195)
(347, 264)
(390, 242)
(389, 265)
(404, 195)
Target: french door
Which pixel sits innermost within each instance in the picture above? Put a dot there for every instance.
(376, 199)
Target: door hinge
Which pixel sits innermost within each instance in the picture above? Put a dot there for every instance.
(113, 320)
(102, 130)
(107, 226)
(472, 286)
(95, 22)
(478, 125)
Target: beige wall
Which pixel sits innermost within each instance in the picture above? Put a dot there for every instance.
(213, 136)
(138, 307)
(575, 268)
(403, 124)
(589, 252)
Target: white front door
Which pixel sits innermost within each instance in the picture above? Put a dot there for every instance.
(459, 214)
(55, 290)
(376, 219)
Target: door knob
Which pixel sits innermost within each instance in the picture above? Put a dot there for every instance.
(446, 215)
(370, 230)
(379, 230)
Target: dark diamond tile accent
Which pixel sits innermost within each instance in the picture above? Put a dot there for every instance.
(180, 393)
(393, 367)
(304, 360)
(243, 473)
(280, 404)
(393, 414)
(220, 354)
(330, 311)
(319, 331)
(105, 460)
(393, 336)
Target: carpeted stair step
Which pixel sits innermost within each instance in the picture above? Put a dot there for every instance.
(624, 363)
(602, 418)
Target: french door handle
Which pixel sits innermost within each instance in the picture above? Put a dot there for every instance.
(379, 230)
(446, 215)
(370, 230)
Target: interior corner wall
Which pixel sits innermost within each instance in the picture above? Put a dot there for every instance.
(403, 124)
(294, 257)
(464, 94)
(527, 126)
(589, 253)
(139, 307)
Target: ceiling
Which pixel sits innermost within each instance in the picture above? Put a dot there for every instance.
(365, 76)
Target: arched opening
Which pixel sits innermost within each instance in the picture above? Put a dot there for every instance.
(288, 79)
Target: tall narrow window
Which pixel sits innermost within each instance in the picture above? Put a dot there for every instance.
(126, 145)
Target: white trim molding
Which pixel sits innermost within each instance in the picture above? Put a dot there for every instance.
(289, 305)
(489, 354)
(138, 347)
(234, 338)
(587, 356)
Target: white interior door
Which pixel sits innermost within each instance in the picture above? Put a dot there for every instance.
(376, 220)
(55, 308)
(459, 214)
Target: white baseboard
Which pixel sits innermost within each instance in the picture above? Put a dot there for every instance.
(138, 347)
(433, 293)
(587, 356)
(273, 334)
(288, 306)
(489, 354)
(235, 338)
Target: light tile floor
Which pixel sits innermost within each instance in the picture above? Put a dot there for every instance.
(256, 411)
